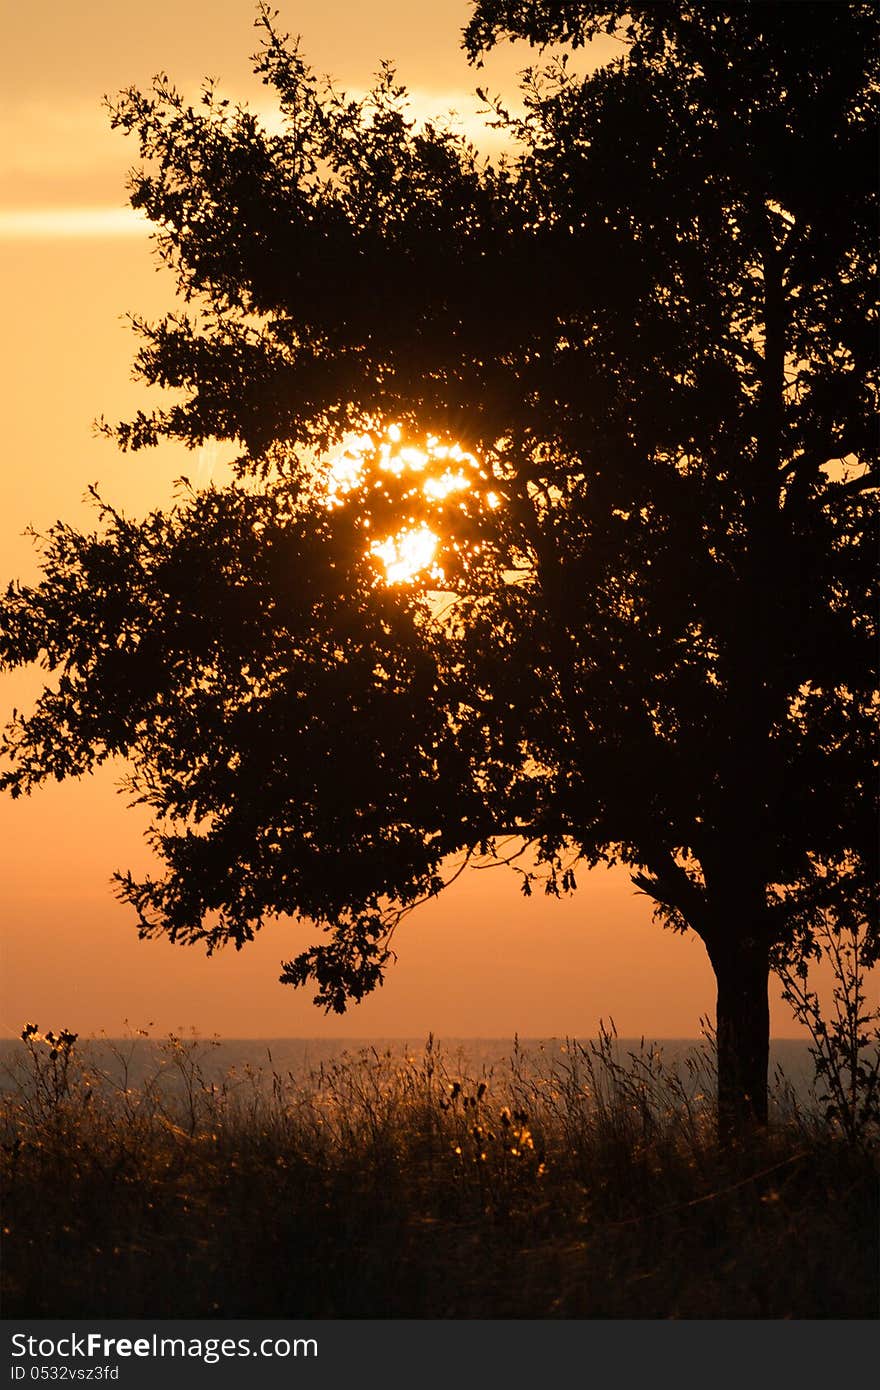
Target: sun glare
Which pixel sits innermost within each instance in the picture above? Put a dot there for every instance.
(431, 476)
(408, 554)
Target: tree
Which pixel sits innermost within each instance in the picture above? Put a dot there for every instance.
(640, 348)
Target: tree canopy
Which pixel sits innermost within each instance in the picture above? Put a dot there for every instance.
(620, 381)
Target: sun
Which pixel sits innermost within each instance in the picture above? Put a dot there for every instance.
(425, 480)
(408, 555)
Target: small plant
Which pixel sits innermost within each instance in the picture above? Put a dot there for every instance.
(55, 1076)
(846, 1046)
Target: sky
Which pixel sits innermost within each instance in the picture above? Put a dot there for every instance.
(480, 961)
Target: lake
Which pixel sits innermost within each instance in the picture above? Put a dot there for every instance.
(131, 1061)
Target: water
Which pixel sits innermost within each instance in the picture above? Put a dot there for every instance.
(131, 1061)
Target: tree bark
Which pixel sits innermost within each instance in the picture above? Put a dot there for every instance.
(742, 1022)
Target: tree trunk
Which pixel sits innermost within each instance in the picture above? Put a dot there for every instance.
(743, 1033)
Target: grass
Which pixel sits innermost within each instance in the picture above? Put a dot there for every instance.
(570, 1184)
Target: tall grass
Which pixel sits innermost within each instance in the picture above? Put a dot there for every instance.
(574, 1182)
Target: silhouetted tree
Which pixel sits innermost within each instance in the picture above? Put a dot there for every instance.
(646, 634)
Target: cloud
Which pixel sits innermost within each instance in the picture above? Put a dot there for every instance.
(57, 140)
(62, 172)
(63, 223)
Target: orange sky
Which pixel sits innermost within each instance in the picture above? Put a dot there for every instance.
(481, 961)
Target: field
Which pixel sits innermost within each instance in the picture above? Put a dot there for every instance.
(582, 1182)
